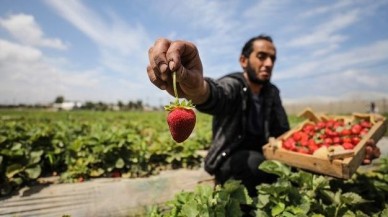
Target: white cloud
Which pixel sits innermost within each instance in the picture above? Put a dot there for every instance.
(325, 50)
(26, 76)
(263, 10)
(326, 33)
(25, 29)
(339, 62)
(327, 9)
(211, 16)
(354, 83)
(112, 34)
(11, 52)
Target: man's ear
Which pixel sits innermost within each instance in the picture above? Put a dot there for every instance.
(243, 61)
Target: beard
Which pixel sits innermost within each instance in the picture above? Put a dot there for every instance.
(252, 76)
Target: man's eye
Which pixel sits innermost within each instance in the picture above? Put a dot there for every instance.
(264, 56)
(261, 56)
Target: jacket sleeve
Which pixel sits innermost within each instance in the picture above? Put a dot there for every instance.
(223, 93)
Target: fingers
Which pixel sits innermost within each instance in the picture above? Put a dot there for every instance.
(182, 56)
(376, 152)
(371, 142)
(167, 56)
(154, 79)
(158, 60)
(366, 161)
(371, 152)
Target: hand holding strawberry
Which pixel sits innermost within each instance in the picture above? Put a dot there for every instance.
(181, 117)
(167, 56)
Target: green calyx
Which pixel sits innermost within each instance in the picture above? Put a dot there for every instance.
(184, 104)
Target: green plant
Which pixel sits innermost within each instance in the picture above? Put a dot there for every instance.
(206, 201)
(296, 193)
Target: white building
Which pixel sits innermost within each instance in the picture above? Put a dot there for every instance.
(67, 106)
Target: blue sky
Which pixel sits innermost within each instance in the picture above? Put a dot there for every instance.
(96, 50)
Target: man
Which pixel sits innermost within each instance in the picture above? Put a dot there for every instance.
(246, 107)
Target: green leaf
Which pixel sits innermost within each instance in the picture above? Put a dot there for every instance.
(13, 169)
(263, 200)
(361, 214)
(276, 189)
(17, 180)
(384, 212)
(317, 215)
(303, 178)
(233, 208)
(97, 172)
(34, 172)
(16, 146)
(277, 209)
(238, 192)
(337, 197)
(352, 198)
(297, 210)
(320, 182)
(349, 213)
(35, 156)
(190, 209)
(289, 214)
(120, 163)
(275, 167)
(261, 213)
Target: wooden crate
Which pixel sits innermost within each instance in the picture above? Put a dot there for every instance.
(340, 168)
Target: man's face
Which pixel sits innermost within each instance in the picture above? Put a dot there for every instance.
(260, 62)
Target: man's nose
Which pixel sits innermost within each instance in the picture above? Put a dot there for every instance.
(269, 62)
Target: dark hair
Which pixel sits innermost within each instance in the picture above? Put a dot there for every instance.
(248, 47)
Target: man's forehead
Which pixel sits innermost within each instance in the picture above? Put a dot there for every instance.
(263, 45)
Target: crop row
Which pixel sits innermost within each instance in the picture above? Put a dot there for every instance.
(77, 146)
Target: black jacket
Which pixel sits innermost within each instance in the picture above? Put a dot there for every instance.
(228, 103)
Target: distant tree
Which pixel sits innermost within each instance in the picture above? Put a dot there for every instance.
(88, 105)
(131, 105)
(139, 105)
(101, 106)
(120, 104)
(59, 99)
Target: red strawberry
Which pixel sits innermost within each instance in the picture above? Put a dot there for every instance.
(348, 145)
(181, 117)
(181, 122)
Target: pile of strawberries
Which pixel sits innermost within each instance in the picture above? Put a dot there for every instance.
(327, 133)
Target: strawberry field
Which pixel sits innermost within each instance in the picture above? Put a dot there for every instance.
(80, 145)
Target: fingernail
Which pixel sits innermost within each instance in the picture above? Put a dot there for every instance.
(163, 68)
(171, 65)
(162, 87)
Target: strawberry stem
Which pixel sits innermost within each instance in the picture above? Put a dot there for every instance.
(177, 103)
(174, 84)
